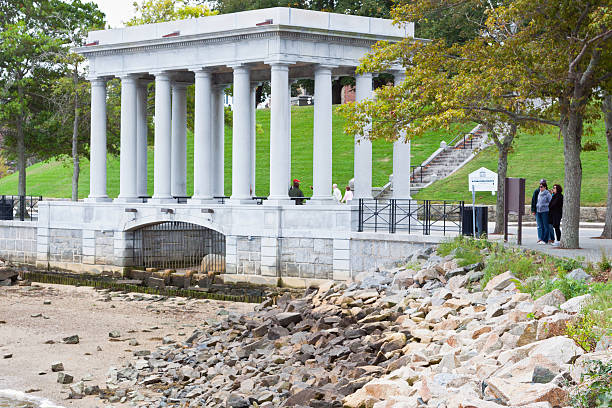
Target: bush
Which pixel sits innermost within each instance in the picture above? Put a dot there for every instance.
(584, 332)
(595, 388)
(228, 115)
(590, 146)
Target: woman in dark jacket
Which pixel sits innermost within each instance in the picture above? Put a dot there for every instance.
(555, 209)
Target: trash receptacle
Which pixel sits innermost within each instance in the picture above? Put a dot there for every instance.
(482, 220)
(6, 209)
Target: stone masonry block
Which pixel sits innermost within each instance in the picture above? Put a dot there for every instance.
(342, 244)
(342, 264)
(268, 251)
(306, 243)
(89, 234)
(342, 254)
(269, 242)
(268, 261)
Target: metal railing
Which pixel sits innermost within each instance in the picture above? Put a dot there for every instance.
(416, 174)
(21, 207)
(423, 216)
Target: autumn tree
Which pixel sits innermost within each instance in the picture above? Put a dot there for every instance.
(157, 11)
(461, 82)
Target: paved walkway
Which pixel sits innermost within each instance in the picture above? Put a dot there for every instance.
(590, 247)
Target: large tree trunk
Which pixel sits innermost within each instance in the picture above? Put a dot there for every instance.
(571, 129)
(607, 110)
(502, 171)
(21, 156)
(75, 140)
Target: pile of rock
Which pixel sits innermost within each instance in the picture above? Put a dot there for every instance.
(8, 274)
(397, 338)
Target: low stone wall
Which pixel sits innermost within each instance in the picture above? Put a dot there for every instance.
(310, 258)
(18, 241)
(369, 251)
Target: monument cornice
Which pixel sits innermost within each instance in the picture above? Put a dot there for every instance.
(233, 36)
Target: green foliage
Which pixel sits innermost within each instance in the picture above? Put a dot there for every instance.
(228, 116)
(156, 11)
(569, 264)
(584, 332)
(595, 388)
(590, 146)
(605, 264)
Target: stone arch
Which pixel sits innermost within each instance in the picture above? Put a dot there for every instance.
(141, 222)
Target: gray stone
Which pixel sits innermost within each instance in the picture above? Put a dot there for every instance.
(64, 378)
(55, 367)
(579, 274)
(74, 339)
(574, 305)
(554, 298)
(237, 401)
(285, 319)
(114, 334)
(542, 375)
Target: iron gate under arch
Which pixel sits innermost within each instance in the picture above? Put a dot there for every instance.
(179, 245)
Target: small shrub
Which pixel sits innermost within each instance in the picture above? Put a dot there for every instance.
(590, 146)
(569, 264)
(584, 332)
(595, 388)
(228, 116)
(605, 264)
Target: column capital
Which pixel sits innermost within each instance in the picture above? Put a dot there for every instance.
(278, 63)
(165, 75)
(241, 67)
(128, 77)
(95, 80)
(200, 69)
(256, 84)
(180, 85)
(364, 75)
(321, 67)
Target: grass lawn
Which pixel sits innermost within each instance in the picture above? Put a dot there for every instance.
(53, 178)
(533, 157)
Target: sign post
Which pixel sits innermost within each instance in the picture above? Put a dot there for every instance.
(514, 203)
(482, 179)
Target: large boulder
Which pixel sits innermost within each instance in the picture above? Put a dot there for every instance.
(500, 282)
(519, 394)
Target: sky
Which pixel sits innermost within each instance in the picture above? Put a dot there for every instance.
(117, 11)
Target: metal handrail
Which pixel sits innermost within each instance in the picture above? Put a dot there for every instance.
(414, 170)
(26, 205)
(408, 215)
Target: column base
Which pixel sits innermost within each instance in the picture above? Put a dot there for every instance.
(161, 200)
(202, 201)
(322, 200)
(240, 201)
(275, 202)
(102, 199)
(127, 200)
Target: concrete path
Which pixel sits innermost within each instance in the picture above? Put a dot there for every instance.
(591, 247)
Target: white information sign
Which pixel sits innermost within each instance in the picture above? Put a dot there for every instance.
(483, 179)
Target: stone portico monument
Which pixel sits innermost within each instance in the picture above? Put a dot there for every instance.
(279, 45)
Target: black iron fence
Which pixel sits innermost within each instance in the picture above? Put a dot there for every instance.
(179, 245)
(418, 216)
(19, 207)
(416, 174)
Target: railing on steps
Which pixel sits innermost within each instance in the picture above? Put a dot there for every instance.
(416, 174)
(20, 207)
(419, 216)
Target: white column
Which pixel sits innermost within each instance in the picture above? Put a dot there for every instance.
(203, 137)
(97, 159)
(322, 137)
(279, 140)
(253, 139)
(179, 140)
(127, 162)
(162, 154)
(401, 158)
(218, 143)
(363, 146)
(141, 138)
(289, 134)
(241, 135)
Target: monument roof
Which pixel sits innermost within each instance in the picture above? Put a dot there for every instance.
(253, 20)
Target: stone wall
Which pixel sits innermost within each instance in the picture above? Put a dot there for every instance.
(368, 253)
(248, 255)
(65, 246)
(104, 249)
(18, 241)
(310, 258)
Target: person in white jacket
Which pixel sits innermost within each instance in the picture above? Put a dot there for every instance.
(348, 195)
(337, 193)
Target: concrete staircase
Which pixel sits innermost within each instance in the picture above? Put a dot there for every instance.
(442, 163)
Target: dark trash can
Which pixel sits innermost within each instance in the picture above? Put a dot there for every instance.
(482, 220)
(6, 209)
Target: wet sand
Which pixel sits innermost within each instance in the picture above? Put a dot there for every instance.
(91, 315)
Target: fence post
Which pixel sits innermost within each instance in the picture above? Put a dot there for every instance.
(360, 222)
(22, 207)
(391, 216)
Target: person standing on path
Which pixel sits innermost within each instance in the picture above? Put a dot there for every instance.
(348, 195)
(555, 213)
(542, 209)
(534, 202)
(295, 192)
(337, 193)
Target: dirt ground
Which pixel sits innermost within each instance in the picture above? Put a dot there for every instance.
(32, 332)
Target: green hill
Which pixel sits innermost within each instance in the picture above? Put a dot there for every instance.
(533, 157)
(53, 178)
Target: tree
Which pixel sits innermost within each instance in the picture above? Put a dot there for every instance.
(566, 49)
(607, 111)
(461, 82)
(157, 11)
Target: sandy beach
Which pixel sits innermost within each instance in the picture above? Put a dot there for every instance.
(34, 320)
